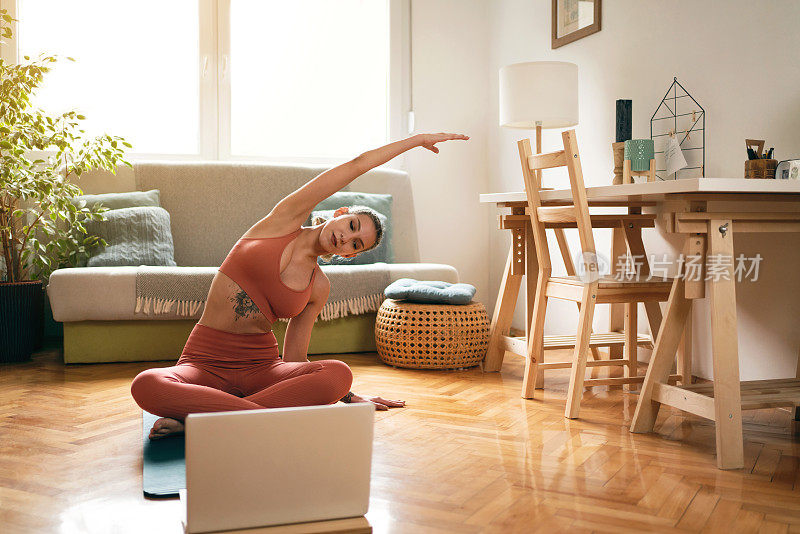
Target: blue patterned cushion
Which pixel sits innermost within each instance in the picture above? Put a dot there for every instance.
(425, 292)
(135, 236)
(115, 201)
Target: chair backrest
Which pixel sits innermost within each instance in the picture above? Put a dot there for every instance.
(574, 215)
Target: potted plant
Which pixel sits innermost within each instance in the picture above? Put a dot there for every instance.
(40, 228)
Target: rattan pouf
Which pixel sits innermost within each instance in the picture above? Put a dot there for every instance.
(428, 336)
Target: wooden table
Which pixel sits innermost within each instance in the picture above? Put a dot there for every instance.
(707, 212)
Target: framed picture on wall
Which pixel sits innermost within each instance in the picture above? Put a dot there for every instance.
(574, 19)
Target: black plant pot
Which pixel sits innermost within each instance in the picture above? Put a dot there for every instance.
(20, 320)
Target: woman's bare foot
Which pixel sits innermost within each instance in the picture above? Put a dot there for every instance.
(379, 402)
(165, 427)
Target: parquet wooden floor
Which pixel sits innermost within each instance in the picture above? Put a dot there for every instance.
(466, 455)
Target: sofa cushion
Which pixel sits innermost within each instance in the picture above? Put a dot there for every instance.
(379, 202)
(135, 236)
(109, 293)
(430, 292)
(374, 255)
(115, 201)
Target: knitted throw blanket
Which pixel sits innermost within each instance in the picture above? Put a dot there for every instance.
(182, 291)
(355, 289)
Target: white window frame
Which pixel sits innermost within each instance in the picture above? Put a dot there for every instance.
(214, 111)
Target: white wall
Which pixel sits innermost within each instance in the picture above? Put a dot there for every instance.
(450, 92)
(739, 60)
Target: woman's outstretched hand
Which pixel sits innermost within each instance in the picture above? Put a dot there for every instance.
(429, 140)
(379, 402)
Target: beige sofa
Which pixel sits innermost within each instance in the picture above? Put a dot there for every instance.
(211, 204)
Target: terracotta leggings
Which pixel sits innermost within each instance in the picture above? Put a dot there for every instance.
(222, 371)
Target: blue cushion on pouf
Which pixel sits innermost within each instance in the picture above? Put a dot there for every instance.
(425, 292)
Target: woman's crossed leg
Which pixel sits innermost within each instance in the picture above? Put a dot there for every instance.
(174, 392)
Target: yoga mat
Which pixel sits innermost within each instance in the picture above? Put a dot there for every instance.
(164, 462)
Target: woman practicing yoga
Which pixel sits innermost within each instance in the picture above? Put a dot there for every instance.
(231, 360)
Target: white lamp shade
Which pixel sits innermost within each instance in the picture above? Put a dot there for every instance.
(539, 91)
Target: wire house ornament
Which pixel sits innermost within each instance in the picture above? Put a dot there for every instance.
(679, 114)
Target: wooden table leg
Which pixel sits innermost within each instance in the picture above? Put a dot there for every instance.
(667, 340)
(503, 314)
(685, 353)
(695, 289)
(533, 281)
(616, 314)
(725, 346)
(631, 342)
(531, 273)
(633, 237)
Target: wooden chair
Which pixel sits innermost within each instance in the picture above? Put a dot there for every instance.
(591, 289)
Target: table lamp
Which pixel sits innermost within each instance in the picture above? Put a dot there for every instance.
(539, 94)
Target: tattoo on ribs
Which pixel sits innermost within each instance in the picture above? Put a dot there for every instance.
(243, 305)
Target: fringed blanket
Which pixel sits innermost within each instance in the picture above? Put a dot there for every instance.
(182, 291)
(355, 289)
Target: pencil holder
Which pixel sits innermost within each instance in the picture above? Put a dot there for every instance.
(640, 152)
(760, 168)
(639, 160)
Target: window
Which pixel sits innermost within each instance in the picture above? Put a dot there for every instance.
(309, 77)
(306, 80)
(136, 79)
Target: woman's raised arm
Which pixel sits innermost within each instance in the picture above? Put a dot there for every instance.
(299, 204)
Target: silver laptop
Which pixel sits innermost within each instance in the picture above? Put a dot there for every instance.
(258, 468)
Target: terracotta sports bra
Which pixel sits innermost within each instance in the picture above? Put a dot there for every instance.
(255, 264)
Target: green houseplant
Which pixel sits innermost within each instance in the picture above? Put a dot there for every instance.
(40, 228)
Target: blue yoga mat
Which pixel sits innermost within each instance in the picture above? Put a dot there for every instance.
(164, 465)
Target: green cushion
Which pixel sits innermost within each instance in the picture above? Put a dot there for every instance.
(135, 236)
(378, 202)
(115, 201)
(374, 255)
